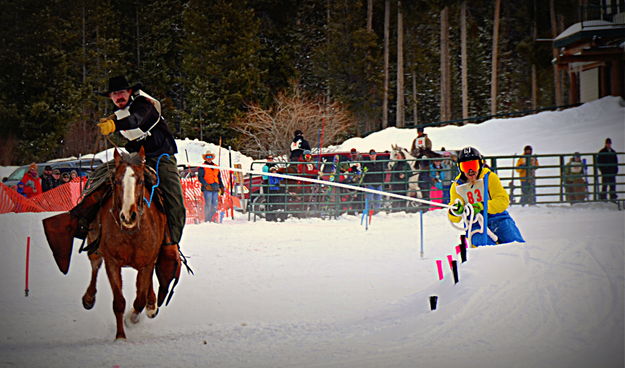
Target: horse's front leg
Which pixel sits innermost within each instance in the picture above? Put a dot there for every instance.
(144, 281)
(151, 309)
(88, 300)
(114, 273)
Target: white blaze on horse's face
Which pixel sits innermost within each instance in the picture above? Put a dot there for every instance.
(128, 213)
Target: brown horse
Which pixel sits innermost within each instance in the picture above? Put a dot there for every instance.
(131, 234)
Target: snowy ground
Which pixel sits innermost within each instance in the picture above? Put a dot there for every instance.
(314, 293)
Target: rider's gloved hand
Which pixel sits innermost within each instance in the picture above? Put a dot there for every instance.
(477, 207)
(107, 126)
(457, 208)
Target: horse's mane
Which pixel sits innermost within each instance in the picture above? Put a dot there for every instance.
(133, 158)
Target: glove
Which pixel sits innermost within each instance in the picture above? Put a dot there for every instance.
(107, 126)
(477, 207)
(457, 208)
(221, 191)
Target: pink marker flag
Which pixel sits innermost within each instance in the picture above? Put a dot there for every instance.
(450, 259)
(457, 249)
(439, 266)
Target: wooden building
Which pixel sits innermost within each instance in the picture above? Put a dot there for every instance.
(592, 52)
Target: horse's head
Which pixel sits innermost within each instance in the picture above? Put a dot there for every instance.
(129, 188)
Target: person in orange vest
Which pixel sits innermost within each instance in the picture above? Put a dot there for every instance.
(212, 186)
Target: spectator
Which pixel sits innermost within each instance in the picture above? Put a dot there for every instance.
(266, 168)
(441, 176)
(20, 188)
(526, 167)
(298, 146)
(422, 150)
(574, 179)
(401, 171)
(212, 186)
(306, 167)
(374, 179)
(47, 181)
(32, 182)
(73, 175)
(481, 188)
(607, 162)
(65, 178)
(56, 178)
(275, 198)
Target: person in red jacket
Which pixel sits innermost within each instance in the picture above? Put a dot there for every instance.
(32, 182)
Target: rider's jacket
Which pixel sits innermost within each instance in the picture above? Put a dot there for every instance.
(142, 124)
(498, 199)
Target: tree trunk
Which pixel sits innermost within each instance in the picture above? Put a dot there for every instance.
(387, 22)
(415, 116)
(370, 15)
(534, 71)
(495, 60)
(137, 35)
(445, 105)
(463, 56)
(399, 121)
(556, 72)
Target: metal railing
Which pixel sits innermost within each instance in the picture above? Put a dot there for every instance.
(548, 183)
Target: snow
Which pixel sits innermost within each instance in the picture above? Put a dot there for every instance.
(315, 293)
(592, 24)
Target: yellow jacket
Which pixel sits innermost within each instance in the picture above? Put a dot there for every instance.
(533, 165)
(498, 199)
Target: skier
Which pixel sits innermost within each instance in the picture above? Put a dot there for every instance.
(479, 187)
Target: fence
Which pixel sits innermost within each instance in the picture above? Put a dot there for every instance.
(548, 184)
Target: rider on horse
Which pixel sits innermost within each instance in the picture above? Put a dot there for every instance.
(138, 118)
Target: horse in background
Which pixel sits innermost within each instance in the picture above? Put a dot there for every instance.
(413, 180)
(130, 234)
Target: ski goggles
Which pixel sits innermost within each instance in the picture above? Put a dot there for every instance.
(466, 166)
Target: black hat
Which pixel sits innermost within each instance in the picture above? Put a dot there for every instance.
(298, 133)
(117, 84)
(608, 141)
(48, 167)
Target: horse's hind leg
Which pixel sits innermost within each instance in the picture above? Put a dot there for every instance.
(114, 273)
(88, 300)
(144, 281)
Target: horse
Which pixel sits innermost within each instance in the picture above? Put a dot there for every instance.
(130, 234)
(413, 180)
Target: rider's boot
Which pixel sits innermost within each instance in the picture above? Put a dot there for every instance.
(168, 267)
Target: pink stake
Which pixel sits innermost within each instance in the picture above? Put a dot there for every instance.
(439, 266)
(457, 249)
(450, 259)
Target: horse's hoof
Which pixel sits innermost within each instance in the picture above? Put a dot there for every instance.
(151, 313)
(132, 318)
(88, 304)
(120, 338)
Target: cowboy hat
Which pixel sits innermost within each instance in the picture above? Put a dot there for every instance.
(208, 156)
(117, 84)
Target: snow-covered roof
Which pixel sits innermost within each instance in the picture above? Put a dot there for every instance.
(587, 30)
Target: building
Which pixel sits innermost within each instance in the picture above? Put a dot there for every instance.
(592, 52)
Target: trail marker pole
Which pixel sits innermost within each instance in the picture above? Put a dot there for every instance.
(27, 263)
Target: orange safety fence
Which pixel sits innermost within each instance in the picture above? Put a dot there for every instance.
(193, 200)
(61, 198)
(66, 196)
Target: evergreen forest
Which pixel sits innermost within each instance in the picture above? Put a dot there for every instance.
(385, 62)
